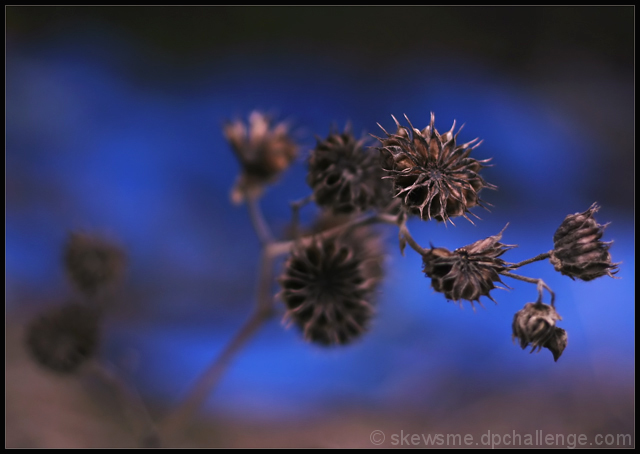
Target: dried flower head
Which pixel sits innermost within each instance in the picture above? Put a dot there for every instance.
(557, 342)
(63, 338)
(535, 325)
(434, 177)
(92, 261)
(468, 272)
(345, 175)
(264, 150)
(328, 285)
(578, 251)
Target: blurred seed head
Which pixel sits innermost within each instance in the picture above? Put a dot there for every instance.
(65, 337)
(468, 272)
(345, 174)
(578, 251)
(265, 149)
(535, 325)
(92, 261)
(434, 177)
(328, 285)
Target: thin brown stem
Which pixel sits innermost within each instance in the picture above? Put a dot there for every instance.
(177, 421)
(405, 235)
(264, 294)
(537, 258)
(392, 206)
(388, 218)
(182, 415)
(539, 282)
(257, 219)
(295, 214)
(283, 247)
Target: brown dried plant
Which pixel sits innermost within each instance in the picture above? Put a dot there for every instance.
(332, 269)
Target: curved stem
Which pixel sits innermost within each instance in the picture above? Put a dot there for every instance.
(405, 235)
(539, 282)
(182, 415)
(257, 219)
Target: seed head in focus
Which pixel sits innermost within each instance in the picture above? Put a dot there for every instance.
(264, 150)
(345, 175)
(577, 249)
(468, 272)
(434, 177)
(329, 284)
(65, 337)
(557, 342)
(535, 325)
(92, 261)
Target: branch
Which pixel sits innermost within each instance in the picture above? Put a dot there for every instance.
(295, 214)
(182, 415)
(537, 258)
(177, 421)
(283, 247)
(540, 283)
(405, 235)
(257, 219)
(184, 412)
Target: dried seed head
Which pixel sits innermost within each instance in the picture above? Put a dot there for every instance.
(264, 151)
(468, 272)
(535, 325)
(346, 176)
(578, 251)
(63, 338)
(557, 342)
(92, 261)
(328, 285)
(434, 177)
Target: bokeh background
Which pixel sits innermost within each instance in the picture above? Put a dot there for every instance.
(113, 125)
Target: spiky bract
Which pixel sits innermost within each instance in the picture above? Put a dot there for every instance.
(535, 325)
(433, 176)
(468, 272)
(345, 174)
(328, 285)
(578, 251)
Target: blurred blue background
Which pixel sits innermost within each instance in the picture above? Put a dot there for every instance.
(113, 125)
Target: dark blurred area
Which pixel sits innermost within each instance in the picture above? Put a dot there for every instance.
(114, 119)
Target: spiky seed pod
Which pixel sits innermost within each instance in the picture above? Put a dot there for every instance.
(434, 177)
(65, 337)
(557, 342)
(92, 261)
(328, 285)
(468, 272)
(345, 174)
(578, 251)
(535, 325)
(264, 150)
